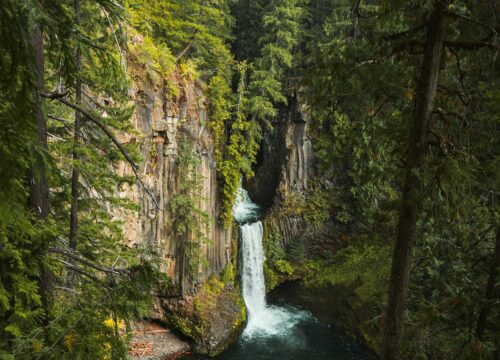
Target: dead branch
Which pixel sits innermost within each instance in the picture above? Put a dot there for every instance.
(73, 255)
(82, 272)
(184, 51)
(413, 30)
(54, 95)
(469, 19)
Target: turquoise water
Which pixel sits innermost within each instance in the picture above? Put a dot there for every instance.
(307, 338)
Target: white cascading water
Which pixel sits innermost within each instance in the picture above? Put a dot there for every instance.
(254, 287)
(263, 319)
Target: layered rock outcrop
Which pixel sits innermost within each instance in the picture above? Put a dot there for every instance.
(283, 177)
(285, 163)
(161, 122)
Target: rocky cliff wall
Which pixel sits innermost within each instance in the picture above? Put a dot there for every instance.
(283, 178)
(161, 121)
(285, 162)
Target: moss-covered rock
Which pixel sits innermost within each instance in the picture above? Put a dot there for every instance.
(213, 318)
(277, 269)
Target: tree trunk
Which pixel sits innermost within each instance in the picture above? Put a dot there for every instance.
(73, 223)
(490, 288)
(39, 197)
(39, 192)
(413, 186)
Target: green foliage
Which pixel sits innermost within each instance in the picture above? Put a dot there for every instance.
(243, 144)
(71, 321)
(284, 267)
(271, 277)
(273, 246)
(367, 268)
(360, 84)
(313, 206)
(20, 238)
(228, 275)
(317, 208)
(156, 58)
(296, 251)
(248, 16)
(193, 29)
(274, 253)
(276, 267)
(219, 94)
(281, 26)
(189, 221)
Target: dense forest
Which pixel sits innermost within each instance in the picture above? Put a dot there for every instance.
(397, 209)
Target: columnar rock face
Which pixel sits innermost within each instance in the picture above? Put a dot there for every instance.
(161, 123)
(284, 170)
(298, 166)
(285, 162)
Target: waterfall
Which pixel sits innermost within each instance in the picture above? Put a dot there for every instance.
(254, 287)
(247, 214)
(263, 319)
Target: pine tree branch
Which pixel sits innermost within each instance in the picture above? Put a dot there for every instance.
(471, 45)
(82, 272)
(54, 95)
(184, 51)
(358, 12)
(73, 255)
(413, 30)
(46, 351)
(60, 119)
(109, 134)
(477, 22)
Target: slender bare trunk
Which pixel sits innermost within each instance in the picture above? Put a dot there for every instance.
(413, 186)
(39, 196)
(490, 292)
(73, 223)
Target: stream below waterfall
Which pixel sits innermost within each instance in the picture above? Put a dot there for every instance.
(278, 330)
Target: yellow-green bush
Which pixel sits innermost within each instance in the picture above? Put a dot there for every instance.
(283, 267)
(365, 267)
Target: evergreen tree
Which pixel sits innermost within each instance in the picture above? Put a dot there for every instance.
(361, 86)
(281, 22)
(40, 315)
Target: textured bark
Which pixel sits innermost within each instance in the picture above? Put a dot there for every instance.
(75, 176)
(413, 186)
(490, 292)
(39, 197)
(39, 191)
